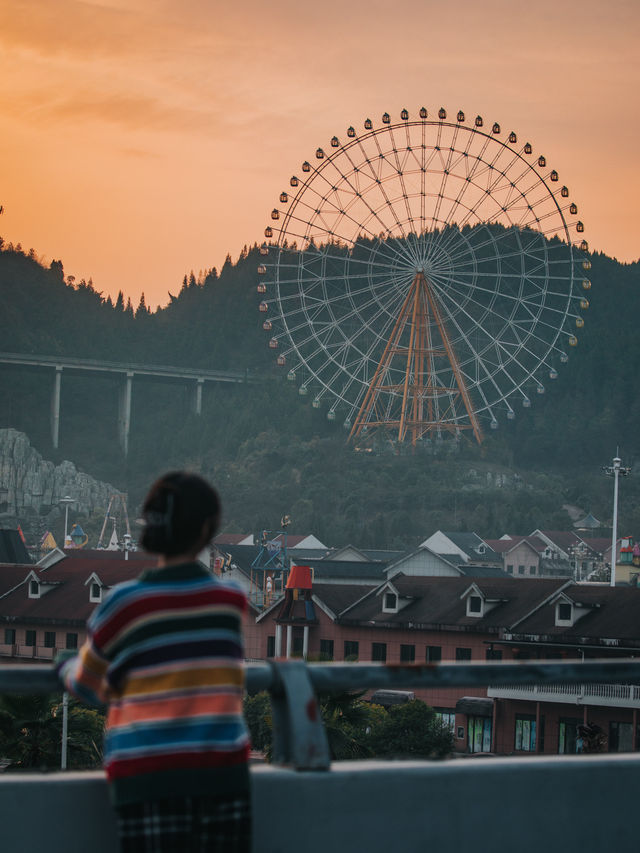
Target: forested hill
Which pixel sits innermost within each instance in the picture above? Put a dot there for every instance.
(277, 453)
(212, 322)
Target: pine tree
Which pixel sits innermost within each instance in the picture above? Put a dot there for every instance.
(142, 310)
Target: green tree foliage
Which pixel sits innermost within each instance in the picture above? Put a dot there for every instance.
(411, 730)
(257, 714)
(31, 733)
(347, 721)
(357, 729)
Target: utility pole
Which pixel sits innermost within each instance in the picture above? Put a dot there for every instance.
(616, 471)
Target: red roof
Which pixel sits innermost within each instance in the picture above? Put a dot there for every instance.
(65, 591)
(12, 574)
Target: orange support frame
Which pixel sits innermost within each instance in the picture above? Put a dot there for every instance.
(418, 385)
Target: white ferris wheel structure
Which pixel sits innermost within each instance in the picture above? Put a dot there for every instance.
(424, 277)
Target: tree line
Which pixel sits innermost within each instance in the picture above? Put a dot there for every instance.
(272, 453)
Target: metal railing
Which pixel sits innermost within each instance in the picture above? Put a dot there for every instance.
(607, 695)
(299, 737)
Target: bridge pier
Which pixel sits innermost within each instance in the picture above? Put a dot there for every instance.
(197, 399)
(124, 412)
(55, 406)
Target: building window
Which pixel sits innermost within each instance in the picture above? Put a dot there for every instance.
(474, 605)
(72, 641)
(390, 602)
(564, 612)
(9, 636)
(95, 592)
(434, 654)
(532, 570)
(463, 654)
(510, 569)
(271, 646)
(407, 654)
(351, 650)
(326, 649)
(568, 737)
(30, 638)
(620, 737)
(525, 736)
(379, 652)
(494, 654)
(520, 570)
(447, 717)
(34, 589)
(49, 639)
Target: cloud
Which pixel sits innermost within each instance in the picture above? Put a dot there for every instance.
(68, 28)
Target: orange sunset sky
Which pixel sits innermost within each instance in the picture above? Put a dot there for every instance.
(143, 139)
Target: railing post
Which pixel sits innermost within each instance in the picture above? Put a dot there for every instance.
(299, 738)
(65, 730)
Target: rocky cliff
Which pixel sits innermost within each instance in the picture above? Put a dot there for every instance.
(31, 487)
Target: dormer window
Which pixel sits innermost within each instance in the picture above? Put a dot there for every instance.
(95, 592)
(564, 613)
(482, 549)
(34, 589)
(390, 602)
(475, 605)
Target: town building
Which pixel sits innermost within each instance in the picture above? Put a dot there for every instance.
(417, 620)
(416, 608)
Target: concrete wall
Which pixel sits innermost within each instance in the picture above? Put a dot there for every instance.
(558, 805)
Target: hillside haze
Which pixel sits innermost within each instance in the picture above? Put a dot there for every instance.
(270, 452)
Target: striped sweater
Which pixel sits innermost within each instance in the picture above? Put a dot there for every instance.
(165, 652)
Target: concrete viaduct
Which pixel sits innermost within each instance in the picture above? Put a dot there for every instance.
(57, 364)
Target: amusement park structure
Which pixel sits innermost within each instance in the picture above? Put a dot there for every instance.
(269, 569)
(117, 514)
(423, 276)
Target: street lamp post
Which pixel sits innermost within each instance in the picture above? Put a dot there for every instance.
(616, 471)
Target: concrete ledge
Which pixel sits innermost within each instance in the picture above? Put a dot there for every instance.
(555, 805)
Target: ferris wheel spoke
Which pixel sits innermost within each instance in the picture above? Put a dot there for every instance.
(479, 363)
(465, 289)
(356, 195)
(497, 343)
(401, 178)
(494, 239)
(377, 184)
(523, 327)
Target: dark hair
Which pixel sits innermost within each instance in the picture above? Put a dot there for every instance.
(176, 511)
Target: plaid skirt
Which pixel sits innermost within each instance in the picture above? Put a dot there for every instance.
(186, 825)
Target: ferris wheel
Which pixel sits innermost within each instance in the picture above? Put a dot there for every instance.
(423, 276)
